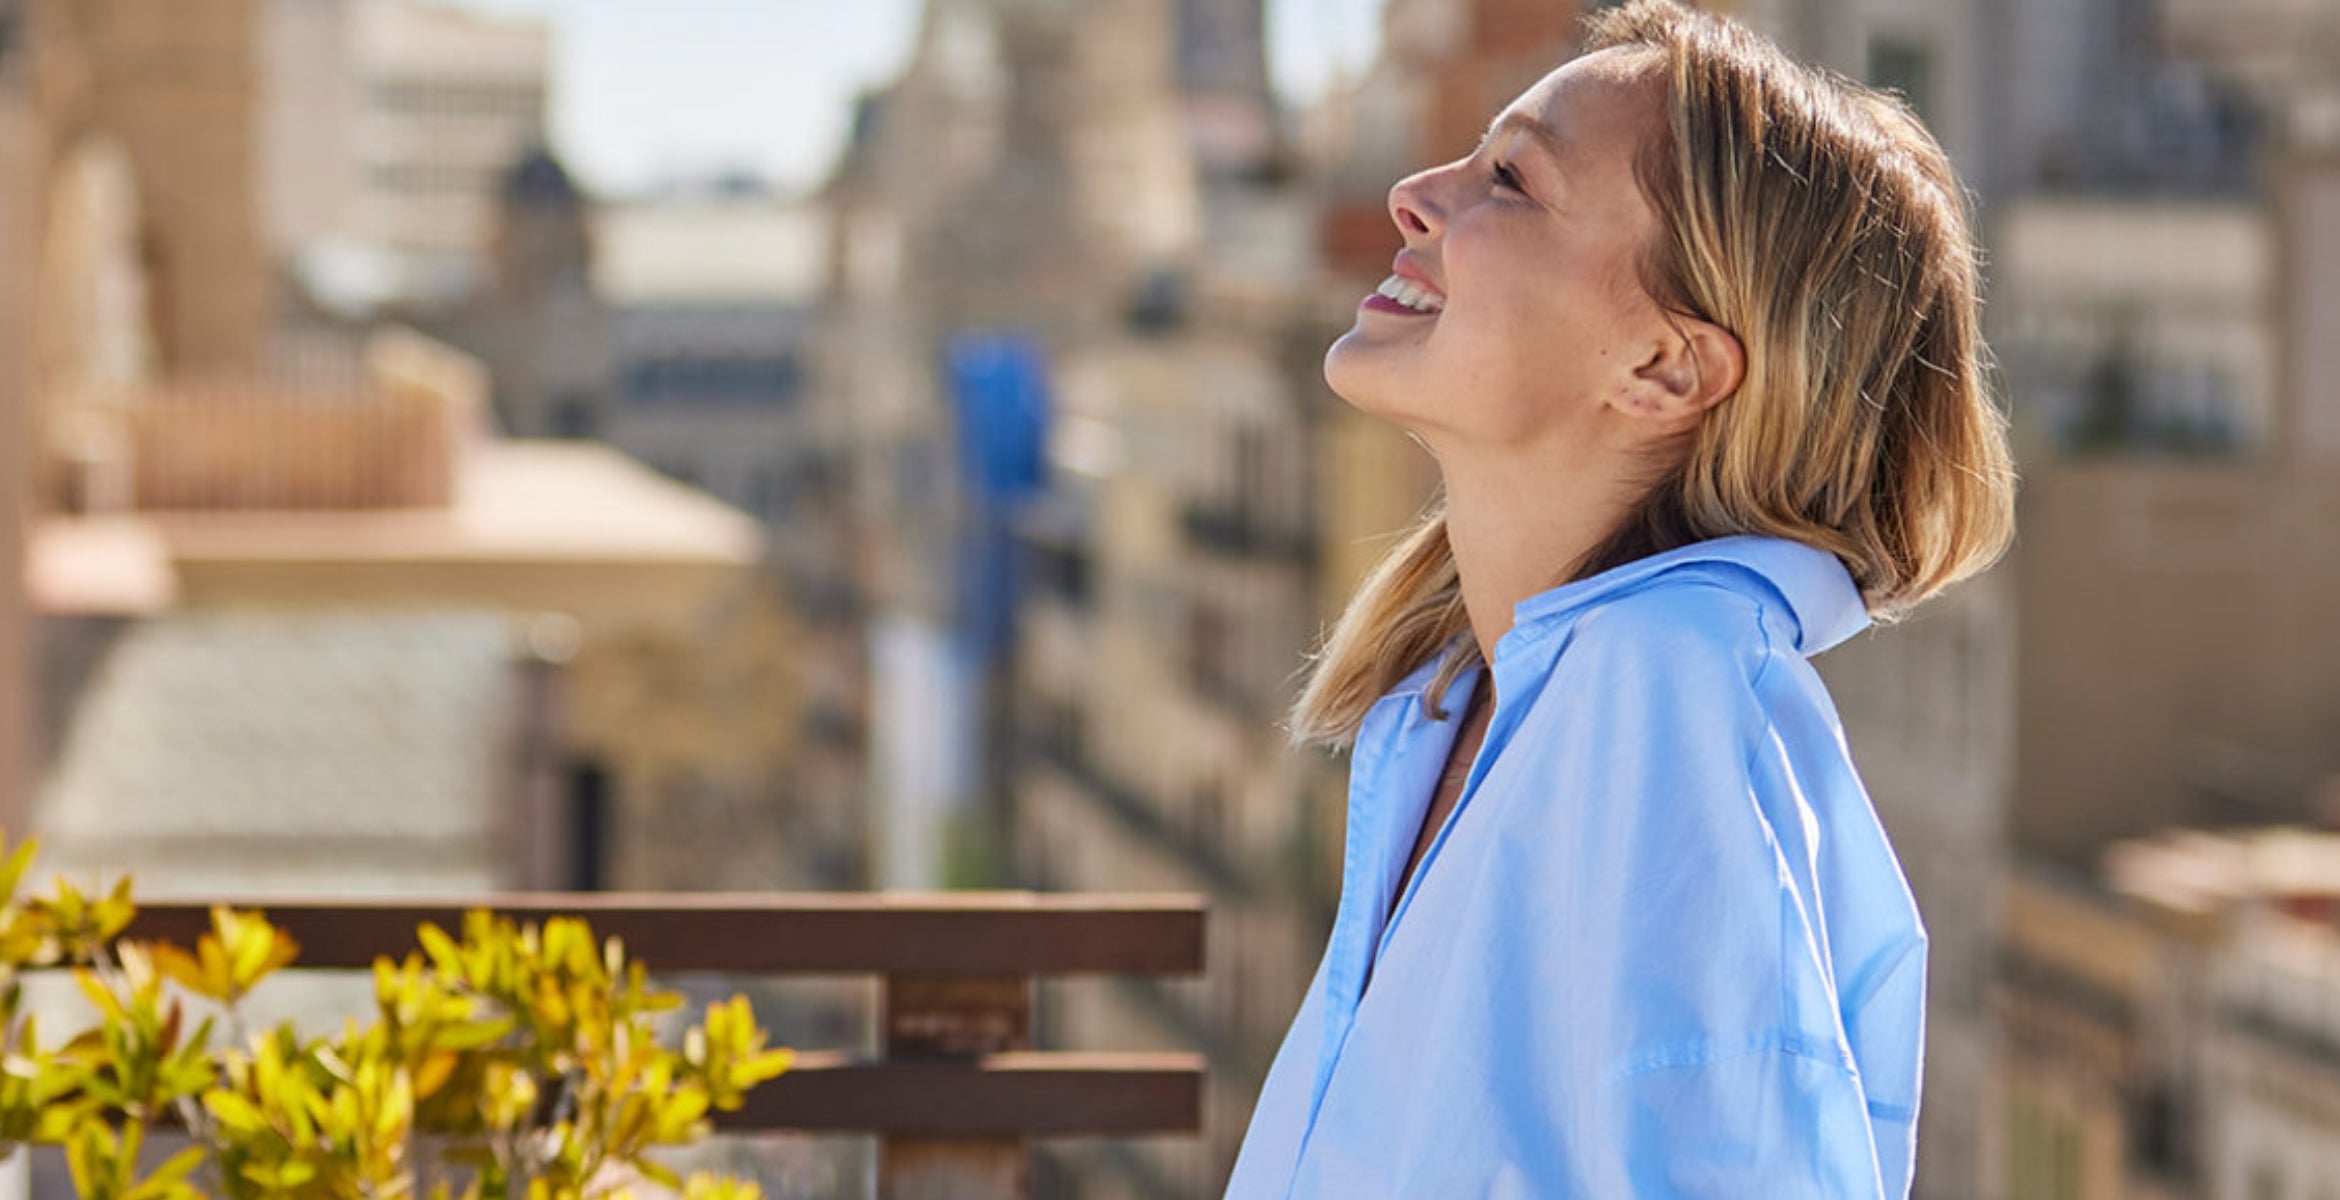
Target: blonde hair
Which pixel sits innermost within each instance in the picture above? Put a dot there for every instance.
(1820, 223)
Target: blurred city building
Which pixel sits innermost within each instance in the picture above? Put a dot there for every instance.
(712, 292)
(2170, 1020)
(385, 130)
(2168, 316)
(2151, 216)
(1072, 332)
(545, 333)
(23, 138)
(149, 174)
(182, 466)
(672, 328)
(239, 752)
(282, 505)
(1002, 199)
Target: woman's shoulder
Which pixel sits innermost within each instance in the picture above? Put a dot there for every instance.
(1704, 658)
(1703, 620)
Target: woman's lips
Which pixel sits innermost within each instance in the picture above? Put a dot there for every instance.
(1376, 302)
(1404, 293)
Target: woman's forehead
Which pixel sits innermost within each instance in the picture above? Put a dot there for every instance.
(1605, 100)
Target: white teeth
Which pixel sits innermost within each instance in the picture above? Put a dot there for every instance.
(1410, 294)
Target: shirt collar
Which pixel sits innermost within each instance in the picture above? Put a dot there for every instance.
(1815, 588)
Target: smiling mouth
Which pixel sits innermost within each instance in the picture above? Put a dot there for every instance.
(1404, 295)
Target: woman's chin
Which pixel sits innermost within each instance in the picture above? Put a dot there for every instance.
(1353, 375)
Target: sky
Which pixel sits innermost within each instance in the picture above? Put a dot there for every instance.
(649, 92)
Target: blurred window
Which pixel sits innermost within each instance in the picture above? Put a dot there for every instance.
(589, 815)
(435, 96)
(687, 378)
(428, 178)
(573, 416)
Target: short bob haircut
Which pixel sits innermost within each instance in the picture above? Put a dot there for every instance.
(1820, 223)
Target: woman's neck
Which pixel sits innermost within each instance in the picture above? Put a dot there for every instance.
(1519, 532)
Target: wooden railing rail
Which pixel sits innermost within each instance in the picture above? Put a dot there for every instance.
(957, 1093)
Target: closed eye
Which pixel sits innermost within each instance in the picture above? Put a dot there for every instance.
(1504, 176)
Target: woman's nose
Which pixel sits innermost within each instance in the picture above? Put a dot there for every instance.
(1412, 206)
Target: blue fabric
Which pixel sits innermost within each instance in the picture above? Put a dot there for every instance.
(1661, 947)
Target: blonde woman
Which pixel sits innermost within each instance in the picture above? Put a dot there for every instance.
(1692, 338)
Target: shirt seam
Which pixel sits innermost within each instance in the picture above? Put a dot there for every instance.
(1706, 1052)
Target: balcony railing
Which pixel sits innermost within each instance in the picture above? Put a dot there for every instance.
(956, 1095)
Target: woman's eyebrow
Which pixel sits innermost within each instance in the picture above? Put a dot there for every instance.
(1536, 130)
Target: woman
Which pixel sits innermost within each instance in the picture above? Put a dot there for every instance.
(1692, 338)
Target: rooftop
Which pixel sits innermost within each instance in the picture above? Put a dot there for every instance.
(273, 752)
(515, 504)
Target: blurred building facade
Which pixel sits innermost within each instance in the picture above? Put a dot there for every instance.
(673, 329)
(711, 294)
(172, 470)
(275, 511)
(2170, 1020)
(385, 131)
(2159, 328)
(2163, 324)
(1080, 224)
(544, 331)
(23, 170)
(146, 205)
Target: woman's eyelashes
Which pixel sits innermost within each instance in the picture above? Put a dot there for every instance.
(1501, 174)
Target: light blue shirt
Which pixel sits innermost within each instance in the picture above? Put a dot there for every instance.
(1661, 946)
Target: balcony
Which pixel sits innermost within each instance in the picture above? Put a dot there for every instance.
(956, 1094)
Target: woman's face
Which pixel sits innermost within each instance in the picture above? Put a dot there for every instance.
(1520, 313)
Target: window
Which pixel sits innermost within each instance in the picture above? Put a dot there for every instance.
(2066, 1185)
(589, 827)
(1208, 641)
(572, 416)
(1210, 814)
(2043, 1152)
(2159, 1119)
(767, 491)
(11, 28)
(432, 96)
(715, 378)
(1251, 474)
(428, 178)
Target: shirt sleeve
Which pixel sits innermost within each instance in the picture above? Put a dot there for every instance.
(1888, 1021)
(1715, 1061)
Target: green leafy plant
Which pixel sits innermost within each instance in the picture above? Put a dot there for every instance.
(514, 1061)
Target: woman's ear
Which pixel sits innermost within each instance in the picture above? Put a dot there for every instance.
(1696, 365)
